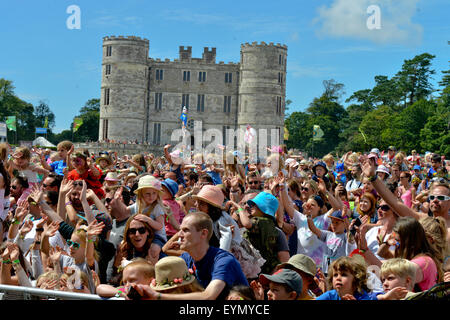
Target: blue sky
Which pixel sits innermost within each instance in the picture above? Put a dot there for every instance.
(326, 39)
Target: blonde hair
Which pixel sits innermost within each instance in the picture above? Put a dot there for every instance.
(436, 229)
(81, 231)
(66, 145)
(276, 158)
(141, 204)
(50, 275)
(328, 157)
(26, 154)
(400, 267)
(143, 266)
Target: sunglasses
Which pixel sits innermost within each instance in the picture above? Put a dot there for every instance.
(384, 207)
(403, 177)
(253, 182)
(78, 183)
(108, 200)
(141, 230)
(304, 189)
(73, 244)
(440, 198)
(14, 187)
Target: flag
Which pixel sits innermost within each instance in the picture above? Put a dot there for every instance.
(11, 123)
(317, 133)
(364, 136)
(286, 133)
(183, 117)
(46, 122)
(77, 122)
(249, 134)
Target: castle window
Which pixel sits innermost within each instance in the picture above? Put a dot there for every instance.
(186, 76)
(280, 59)
(108, 69)
(190, 124)
(158, 101)
(106, 99)
(202, 76)
(228, 77)
(201, 103)
(224, 134)
(279, 106)
(227, 104)
(157, 133)
(280, 77)
(108, 51)
(185, 101)
(159, 74)
(105, 129)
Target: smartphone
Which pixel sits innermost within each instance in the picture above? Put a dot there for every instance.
(133, 294)
(357, 223)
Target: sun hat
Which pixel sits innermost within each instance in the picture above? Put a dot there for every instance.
(171, 185)
(322, 164)
(284, 276)
(301, 262)
(382, 168)
(371, 155)
(375, 150)
(171, 272)
(148, 181)
(304, 162)
(392, 148)
(417, 167)
(111, 176)
(266, 202)
(103, 157)
(212, 195)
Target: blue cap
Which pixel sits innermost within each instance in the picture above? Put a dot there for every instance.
(417, 167)
(337, 215)
(171, 185)
(265, 202)
(322, 164)
(340, 167)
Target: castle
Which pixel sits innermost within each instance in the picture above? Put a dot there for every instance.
(142, 98)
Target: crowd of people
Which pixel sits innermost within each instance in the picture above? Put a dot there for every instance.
(361, 226)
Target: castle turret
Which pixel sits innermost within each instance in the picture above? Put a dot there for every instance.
(262, 88)
(123, 105)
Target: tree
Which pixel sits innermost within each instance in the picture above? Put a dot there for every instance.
(90, 113)
(42, 112)
(414, 78)
(435, 136)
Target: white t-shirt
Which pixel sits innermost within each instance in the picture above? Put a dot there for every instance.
(353, 184)
(156, 212)
(372, 242)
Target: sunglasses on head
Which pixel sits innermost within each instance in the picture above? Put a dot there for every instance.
(141, 230)
(440, 198)
(384, 207)
(78, 183)
(73, 244)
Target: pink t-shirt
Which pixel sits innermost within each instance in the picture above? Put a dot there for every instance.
(178, 214)
(429, 271)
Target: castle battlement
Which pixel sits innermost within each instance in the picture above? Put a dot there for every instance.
(193, 61)
(131, 38)
(262, 44)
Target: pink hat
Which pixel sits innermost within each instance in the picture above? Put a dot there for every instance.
(212, 195)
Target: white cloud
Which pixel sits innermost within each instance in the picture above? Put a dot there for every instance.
(348, 18)
(311, 71)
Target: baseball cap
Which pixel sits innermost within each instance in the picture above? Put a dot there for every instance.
(392, 148)
(266, 202)
(337, 215)
(417, 167)
(284, 276)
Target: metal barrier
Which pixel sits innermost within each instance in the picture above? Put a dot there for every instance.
(8, 292)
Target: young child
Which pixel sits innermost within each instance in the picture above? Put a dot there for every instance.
(398, 276)
(284, 284)
(348, 278)
(336, 240)
(138, 271)
(150, 205)
(241, 293)
(175, 215)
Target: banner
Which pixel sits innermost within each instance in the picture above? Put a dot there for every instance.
(41, 130)
(317, 133)
(11, 123)
(3, 129)
(286, 133)
(77, 122)
(46, 122)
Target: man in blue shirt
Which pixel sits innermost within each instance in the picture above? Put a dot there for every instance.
(217, 270)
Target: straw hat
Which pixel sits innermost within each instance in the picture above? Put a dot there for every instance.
(212, 195)
(112, 176)
(171, 272)
(103, 157)
(149, 181)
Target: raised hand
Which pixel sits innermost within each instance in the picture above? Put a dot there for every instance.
(368, 168)
(50, 229)
(22, 210)
(94, 228)
(66, 186)
(83, 191)
(26, 227)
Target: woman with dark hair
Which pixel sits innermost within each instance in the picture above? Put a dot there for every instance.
(137, 239)
(406, 189)
(4, 187)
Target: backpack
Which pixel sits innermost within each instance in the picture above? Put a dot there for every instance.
(263, 236)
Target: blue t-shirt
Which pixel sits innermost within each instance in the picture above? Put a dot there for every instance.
(333, 295)
(217, 264)
(58, 167)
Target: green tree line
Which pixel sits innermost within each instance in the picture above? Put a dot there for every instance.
(29, 117)
(405, 111)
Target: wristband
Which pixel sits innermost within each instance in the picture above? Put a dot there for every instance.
(6, 261)
(91, 240)
(15, 221)
(159, 296)
(17, 261)
(33, 203)
(68, 203)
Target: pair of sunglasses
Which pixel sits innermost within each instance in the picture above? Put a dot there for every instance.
(73, 244)
(253, 182)
(304, 189)
(384, 207)
(141, 230)
(440, 198)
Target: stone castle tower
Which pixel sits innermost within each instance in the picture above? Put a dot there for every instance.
(142, 98)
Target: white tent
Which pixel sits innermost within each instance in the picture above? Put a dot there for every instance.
(41, 141)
